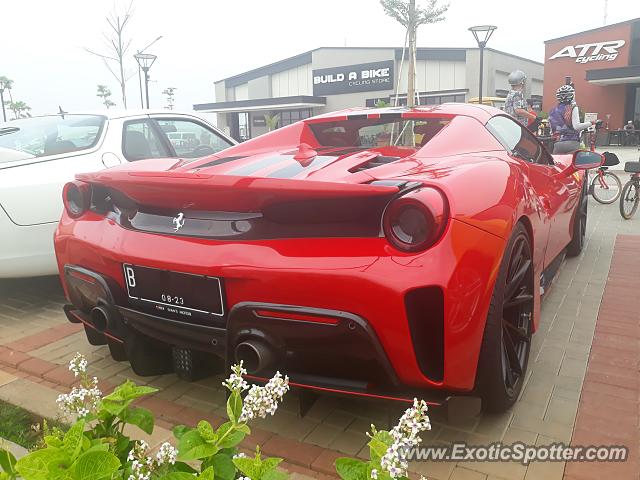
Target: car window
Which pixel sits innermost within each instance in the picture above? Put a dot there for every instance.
(517, 139)
(140, 141)
(192, 139)
(51, 135)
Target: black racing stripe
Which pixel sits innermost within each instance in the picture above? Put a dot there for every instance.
(390, 116)
(291, 171)
(220, 161)
(255, 166)
(357, 116)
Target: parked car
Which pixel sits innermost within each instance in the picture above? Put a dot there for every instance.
(39, 155)
(386, 269)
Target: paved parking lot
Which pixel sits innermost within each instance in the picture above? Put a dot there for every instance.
(31, 320)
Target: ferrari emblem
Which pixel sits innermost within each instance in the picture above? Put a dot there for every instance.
(178, 222)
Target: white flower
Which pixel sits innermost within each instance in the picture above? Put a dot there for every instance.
(261, 401)
(235, 382)
(239, 455)
(166, 454)
(405, 436)
(374, 474)
(78, 364)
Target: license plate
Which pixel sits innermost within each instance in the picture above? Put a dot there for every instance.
(174, 294)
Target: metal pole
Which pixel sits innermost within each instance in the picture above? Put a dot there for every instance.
(146, 85)
(481, 71)
(4, 114)
(140, 85)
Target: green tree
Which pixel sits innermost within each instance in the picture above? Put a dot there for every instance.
(411, 17)
(170, 93)
(19, 109)
(105, 95)
(271, 121)
(382, 104)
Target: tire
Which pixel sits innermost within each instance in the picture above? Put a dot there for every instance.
(629, 199)
(579, 225)
(503, 361)
(612, 191)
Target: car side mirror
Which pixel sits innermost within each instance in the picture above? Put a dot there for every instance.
(586, 160)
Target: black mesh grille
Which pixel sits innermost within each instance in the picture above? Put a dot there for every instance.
(425, 312)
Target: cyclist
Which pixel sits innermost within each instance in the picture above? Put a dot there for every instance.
(515, 103)
(565, 121)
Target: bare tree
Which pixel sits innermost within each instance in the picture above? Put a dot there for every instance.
(116, 47)
(411, 17)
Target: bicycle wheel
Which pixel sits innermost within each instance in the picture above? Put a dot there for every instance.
(629, 199)
(606, 188)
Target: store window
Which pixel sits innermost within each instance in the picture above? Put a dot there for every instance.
(287, 117)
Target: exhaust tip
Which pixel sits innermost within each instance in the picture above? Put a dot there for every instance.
(256, 356)
(100, 318)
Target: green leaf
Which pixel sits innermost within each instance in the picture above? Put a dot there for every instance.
(379, 444)
(351, 469)
(36, 465)
(192, 447)
(232, 435)
(140, 417)
(183, 467)
(207, 474)
(180, 430)
(206, 431)
(72, 441)
(95, 465)
(7, 461)
(178, 476)
(223, 466)
(234, 406)
(123, 395)
(275, 475)
(247, 465)
(53, 441)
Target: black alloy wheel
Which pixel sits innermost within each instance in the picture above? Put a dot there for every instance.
(506, 342)
(517, 311)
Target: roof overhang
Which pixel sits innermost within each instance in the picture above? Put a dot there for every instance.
(278, 103)
(614, 76)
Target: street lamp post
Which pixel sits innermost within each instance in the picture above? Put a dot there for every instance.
(139, 76)
(145, 60)
(482, 34)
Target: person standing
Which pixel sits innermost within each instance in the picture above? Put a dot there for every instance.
(565, 121)
(629, 134)
(515, 103)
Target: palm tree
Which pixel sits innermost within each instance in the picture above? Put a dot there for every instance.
(5, 84)
(271, 121)
(19, 109)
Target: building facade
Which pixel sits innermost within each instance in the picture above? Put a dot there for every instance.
(329, 79)
(604, 66)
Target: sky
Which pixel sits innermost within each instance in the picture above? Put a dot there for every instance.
(42, 42)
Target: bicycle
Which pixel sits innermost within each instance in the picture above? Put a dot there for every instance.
(630, 197)
(605, 186)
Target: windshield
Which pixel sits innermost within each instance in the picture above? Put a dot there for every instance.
(52, 135)
(373, 133)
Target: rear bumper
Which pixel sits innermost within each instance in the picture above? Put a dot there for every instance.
(362, 278)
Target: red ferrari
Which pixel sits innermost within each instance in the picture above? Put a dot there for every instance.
(376, 252)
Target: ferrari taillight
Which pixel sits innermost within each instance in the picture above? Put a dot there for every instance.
(416, 220)
(77, 198)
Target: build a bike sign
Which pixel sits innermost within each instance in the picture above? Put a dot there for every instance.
(591, 52)
(363, 77)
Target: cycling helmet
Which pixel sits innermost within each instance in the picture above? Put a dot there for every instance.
(516, 77)
(565, 94)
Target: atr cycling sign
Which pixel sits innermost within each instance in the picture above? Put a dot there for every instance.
(591, 52)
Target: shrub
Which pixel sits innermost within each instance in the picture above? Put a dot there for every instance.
(95, 446)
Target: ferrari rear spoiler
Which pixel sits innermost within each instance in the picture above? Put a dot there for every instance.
(195, 191)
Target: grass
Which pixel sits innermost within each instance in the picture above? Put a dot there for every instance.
(16, 425)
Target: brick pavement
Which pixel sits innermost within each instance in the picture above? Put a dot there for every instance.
(41, 341)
